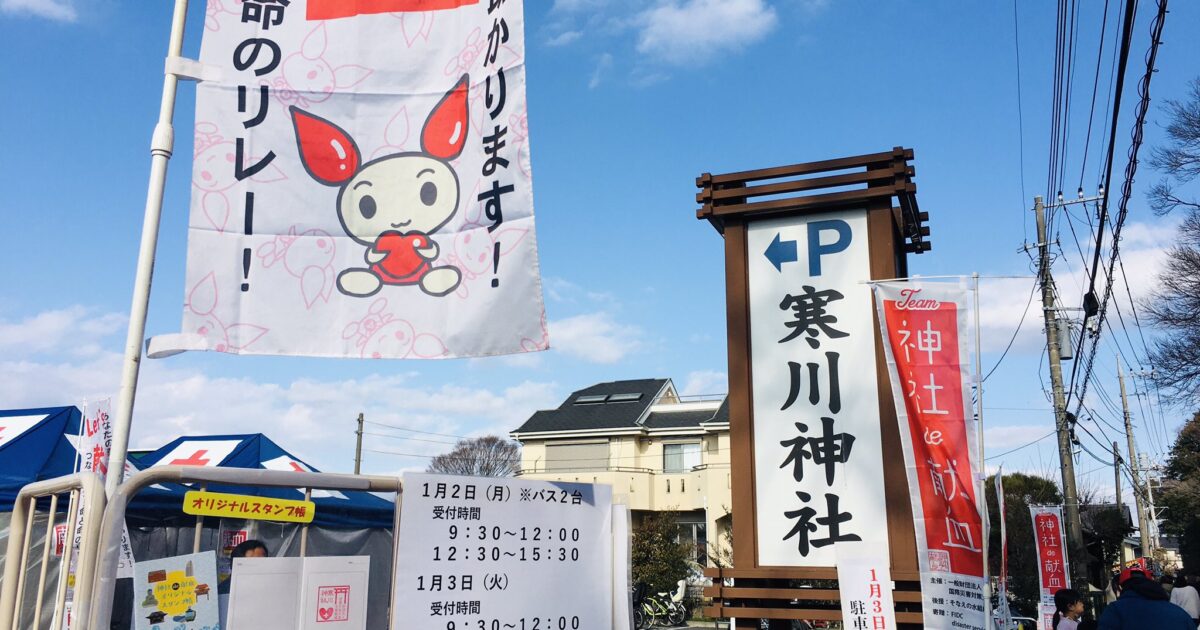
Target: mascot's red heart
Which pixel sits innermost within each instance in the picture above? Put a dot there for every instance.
(402, 258)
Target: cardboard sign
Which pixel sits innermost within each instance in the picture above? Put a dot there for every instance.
(241, 506)
(178, 593)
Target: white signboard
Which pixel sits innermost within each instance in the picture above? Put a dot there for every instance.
(865, 587)
(361, 184)
(323, 593)
(818, 460)
(504, 553)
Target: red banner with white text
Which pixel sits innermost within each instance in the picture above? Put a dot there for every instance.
(927, 340)
(1052, 554)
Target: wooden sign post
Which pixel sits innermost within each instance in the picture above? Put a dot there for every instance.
(815, 447)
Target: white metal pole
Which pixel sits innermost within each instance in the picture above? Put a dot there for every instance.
(161, 145)
(981, 487)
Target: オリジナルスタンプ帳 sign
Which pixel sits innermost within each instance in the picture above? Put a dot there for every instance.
(361, 184)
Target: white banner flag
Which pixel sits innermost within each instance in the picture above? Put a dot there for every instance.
(361, 182)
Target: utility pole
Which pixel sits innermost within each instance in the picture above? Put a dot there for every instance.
(1117, 477)
(358, 447)
(1070, 494)
(1139, 494)
(1151, 511)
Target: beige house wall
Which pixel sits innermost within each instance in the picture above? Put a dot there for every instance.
(635, 471)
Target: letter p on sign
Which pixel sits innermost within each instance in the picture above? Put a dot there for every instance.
(816, 249)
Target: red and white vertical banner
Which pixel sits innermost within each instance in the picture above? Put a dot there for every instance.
(1051, 554)
(865, 586)
(928, 336)
(93, 445)
(361, 182)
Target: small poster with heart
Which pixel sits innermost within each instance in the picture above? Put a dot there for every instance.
(322, 593)
(333, 603)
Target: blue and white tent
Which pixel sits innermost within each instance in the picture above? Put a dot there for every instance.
(37, 444)
(34, 445)
(253, 451)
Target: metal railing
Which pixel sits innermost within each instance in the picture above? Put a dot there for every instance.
(100, 614)
(86, 492)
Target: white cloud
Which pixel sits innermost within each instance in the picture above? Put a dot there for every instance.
(1002, 301)
(57, 10)
(564, 38)
(313, 418)
(594, 337)
(602, 66)
(576, 6)
(73, 327)
(705, 382)
(689, 32)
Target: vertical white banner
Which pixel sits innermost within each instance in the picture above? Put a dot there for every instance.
(818, 460)
(926, 341)
(361, 183)
(93, 445)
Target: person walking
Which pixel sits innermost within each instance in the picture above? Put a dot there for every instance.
(1143, 604)
(1068, 607)
(1186, 597)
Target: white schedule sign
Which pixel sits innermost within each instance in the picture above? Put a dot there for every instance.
(503, 554)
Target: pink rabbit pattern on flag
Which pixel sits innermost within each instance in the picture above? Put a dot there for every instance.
(362, 183)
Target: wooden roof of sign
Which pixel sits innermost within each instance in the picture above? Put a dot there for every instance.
(850, 182)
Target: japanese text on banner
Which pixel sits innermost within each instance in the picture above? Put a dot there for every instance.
(818, 459)
(361, 183)
(926, 345)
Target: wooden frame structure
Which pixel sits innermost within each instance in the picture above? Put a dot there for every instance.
(731, 201)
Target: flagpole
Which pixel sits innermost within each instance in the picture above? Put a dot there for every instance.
(981, 484)
(161, 146)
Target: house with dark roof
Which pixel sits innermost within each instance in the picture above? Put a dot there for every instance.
(659, 451)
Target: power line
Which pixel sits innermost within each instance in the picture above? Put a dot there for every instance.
(1025, 312)
(400, 428)
(1020, 120)
(1126, 189)
(1023, 446)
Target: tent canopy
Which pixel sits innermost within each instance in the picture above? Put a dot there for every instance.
(33, 447)
(38, 444)
(254, 451)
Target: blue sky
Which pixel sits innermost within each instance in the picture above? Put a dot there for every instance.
(629, 102)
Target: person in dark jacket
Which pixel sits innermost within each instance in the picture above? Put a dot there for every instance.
(1143, 604)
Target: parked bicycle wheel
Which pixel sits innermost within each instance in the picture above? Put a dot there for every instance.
(639, 619)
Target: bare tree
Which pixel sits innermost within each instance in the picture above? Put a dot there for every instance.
(1179, 160)
(1174, 305)
(487, 456)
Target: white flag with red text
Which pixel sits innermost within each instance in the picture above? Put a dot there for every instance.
(361, 182)
(926, 338)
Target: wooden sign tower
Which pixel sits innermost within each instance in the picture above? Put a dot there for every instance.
(872, 198)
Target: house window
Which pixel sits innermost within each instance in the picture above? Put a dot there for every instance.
(679, 458)
(695, 534)
(588, 456)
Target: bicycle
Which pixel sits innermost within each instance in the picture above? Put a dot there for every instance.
(653, 610)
